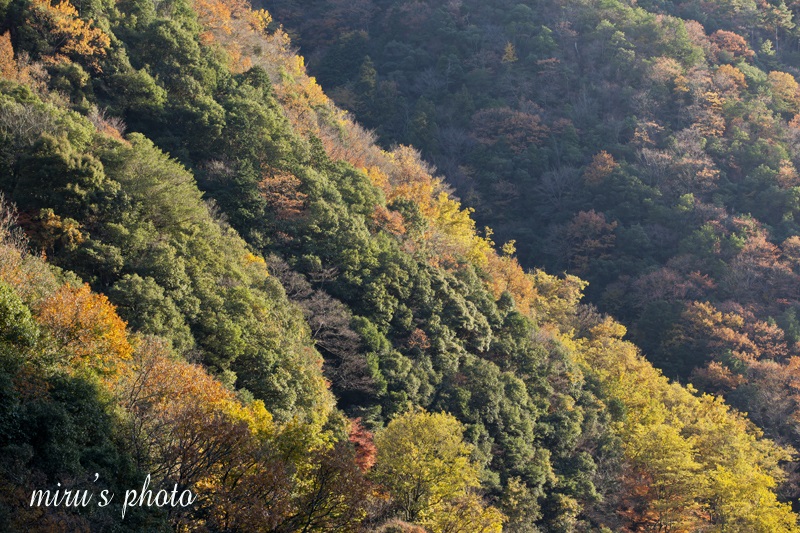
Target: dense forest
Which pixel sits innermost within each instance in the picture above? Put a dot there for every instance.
(650, 148)
(212, 275)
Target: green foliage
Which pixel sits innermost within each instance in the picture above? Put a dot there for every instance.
(17, 326)
(146, 307)
(151, 243)
(377, 283)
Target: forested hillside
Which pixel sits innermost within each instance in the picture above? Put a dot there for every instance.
(210, 274)
(650, 148)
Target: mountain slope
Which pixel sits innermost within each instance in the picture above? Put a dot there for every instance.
(318, 243)
(648, 147)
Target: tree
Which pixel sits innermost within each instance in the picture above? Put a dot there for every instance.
(785, 92)
(424, 464)
(602, 166)
(519, 129)
(86, 330)
(777, 16)
(509, 53)
(664, 481)
(150, 310)
(67, 34)
(588, 237)
(17, 327)
(467, 514)
(364, 443)
(8, 66)
(281, 191)
(185, 427)
(730, 46)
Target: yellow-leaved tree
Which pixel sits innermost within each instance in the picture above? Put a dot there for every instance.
(694, 465)
(67, 33)
(425, 465)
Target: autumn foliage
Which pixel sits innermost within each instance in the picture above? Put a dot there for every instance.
(297, 260)
(280, 189)
(68, 35)
(8, 66)
(86, 330)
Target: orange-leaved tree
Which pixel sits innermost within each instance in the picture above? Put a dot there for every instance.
(86, 330)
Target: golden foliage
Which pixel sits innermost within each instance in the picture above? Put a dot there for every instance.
(86, 329)
(785, 91)
(556, 298)
(693, 459)
(260, 19)
(408, 178)
(602, 166)
(466, 514)
(300, 95)
(509, 53)
(729, 79)
(47, 229)
(71, 36)
(216, 15)
(425, 463)
(8, 66)
(668, 71)
(709, 122)
(507, 275)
